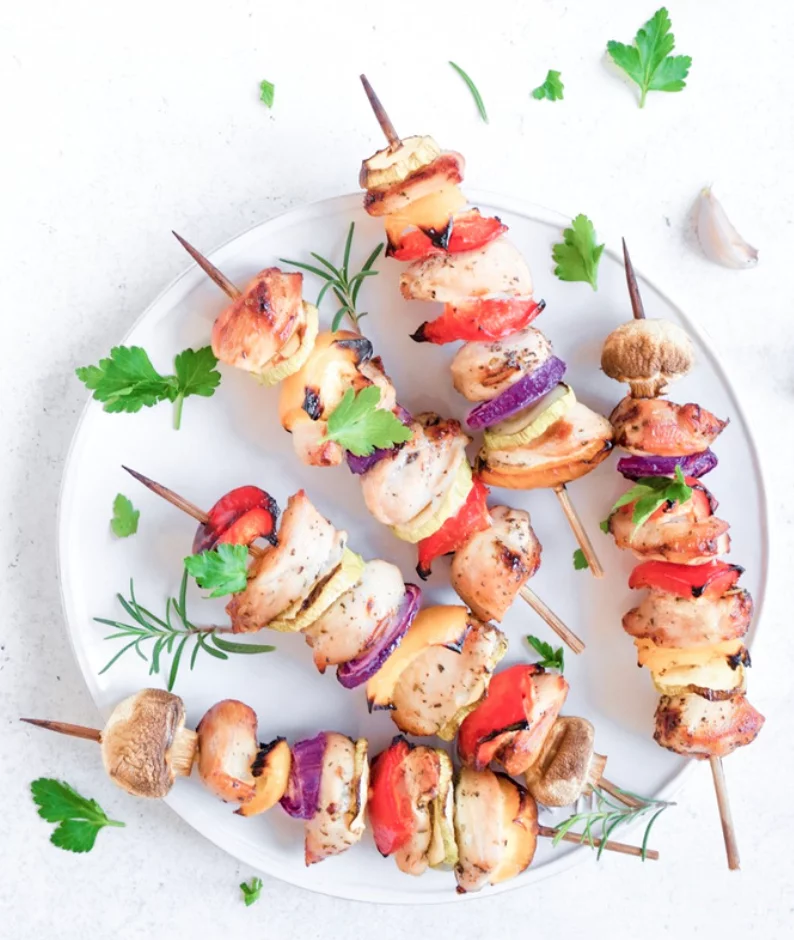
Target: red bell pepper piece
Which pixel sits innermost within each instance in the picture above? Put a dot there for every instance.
(711, 579)
(479, 320)
(241, 516)
(389, 804)
(470, 518)
(469, 231)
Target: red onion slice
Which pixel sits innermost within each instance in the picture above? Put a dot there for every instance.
(692, 465)
(358, 671)
(303, 789)
(526, 390)
(359, 465)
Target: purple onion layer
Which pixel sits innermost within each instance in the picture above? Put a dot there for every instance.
(692, 465)
(359, 465)
(358, 671)
(523, 393)
(303, 789)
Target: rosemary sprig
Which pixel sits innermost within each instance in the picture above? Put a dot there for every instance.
(338, 279)
(170, 639)
(610, 814)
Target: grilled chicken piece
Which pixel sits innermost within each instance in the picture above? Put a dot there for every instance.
(446, 170)
(309, 548)
(572, 447)
(662, 428)
(439, 687)
(679, 535)
(481, 371)
(420, 783)
(674, 622)
(495, 270)
(492, 566)
(344, 780)
(696, 727)
(343, 632)
(399, 487)
(227, 750)
(254, 327)
(523, 749)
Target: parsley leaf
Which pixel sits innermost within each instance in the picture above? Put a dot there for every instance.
(267, 92)
(361, 427)
(126, 381)
(551, 658)
(579, 561)
(578, 255)
(79, 820)
(649, 493)
(552, 88)
(604, 526)
(125, 517)
(252, 892)
(225, 569)
(648, 62)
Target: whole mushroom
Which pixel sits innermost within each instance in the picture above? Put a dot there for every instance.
(648, 354)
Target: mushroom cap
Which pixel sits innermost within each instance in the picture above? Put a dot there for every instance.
(137, 740)
(560, 773)
(655, 351)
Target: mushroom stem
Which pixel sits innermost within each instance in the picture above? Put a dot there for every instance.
(75, 731)
(380, 113)
(579, 531)
(231, 290)
(631, 280)
(581, 839)
(564, 632)
(184, 752)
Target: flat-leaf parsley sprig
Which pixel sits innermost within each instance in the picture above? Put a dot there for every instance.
(338, 279)
(124, 521)
(361, 427)
(649, 493)
(170, 638)
(578, 254)
(79, 819)
(223, 569)
(550, 658)
(552, 88)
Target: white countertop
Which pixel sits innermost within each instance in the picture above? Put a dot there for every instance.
(122, 122)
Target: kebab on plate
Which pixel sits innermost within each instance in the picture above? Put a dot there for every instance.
(689, 628)
(423, 488)
(482, 824)
(536, 432)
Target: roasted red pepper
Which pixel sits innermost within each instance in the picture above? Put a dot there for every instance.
(241, 516)
(711, 579)
(389, 805)
(470, 518)
(466, 232)
(479, 320)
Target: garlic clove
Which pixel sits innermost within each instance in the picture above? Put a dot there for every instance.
(718, 238)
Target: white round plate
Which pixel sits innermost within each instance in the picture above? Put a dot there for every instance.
(235, 438)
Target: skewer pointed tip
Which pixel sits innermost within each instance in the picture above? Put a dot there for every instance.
(219, 278)
(61, 727)
(169, 495)
(380, 113)
(631, 280)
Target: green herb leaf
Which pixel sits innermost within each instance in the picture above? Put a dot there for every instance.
(79, 819)
(224, 569)
(578, 255)
(251, 892)
(361, 427)
(648, 62)
(551, 658)
(649, 493)
(125, 517)
(552, 88)
(579, 561)
(267, 92)
(474, 92)
(604, 526)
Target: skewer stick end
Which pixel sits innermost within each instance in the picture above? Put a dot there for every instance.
(75, 731)
(637, 307)
(380, 113)
(230, 289)
(726, 818)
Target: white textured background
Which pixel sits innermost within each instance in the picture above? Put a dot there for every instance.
(122, 121)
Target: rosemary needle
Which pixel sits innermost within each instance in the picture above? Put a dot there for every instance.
(474, 91)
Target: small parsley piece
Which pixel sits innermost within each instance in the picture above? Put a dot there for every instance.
(604, 526)
(267, 92)
(474, 91)
(126, 381)
(125, 517)
(649, 493)
(551, 658)
(578, 255)
(552, 88)
(361, 427)
(224, 569)
(251, 892)
(79, 820)
(648, 62)
(579, 561)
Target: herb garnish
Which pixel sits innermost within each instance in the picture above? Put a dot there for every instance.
(648, 62)
(578, 255)
(579, 561)
(552, 88)
(125, 517)
(79, 819)
(225, 569)
(474, 91)
(267, 92)
(251, 892)
(650, 493)
(167, 636)
(551, 658)
(339, 281)
(361, 427)
(127, 381)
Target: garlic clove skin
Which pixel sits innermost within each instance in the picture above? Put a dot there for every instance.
(718, 238)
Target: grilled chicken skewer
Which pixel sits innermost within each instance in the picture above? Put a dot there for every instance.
(689, 628)
(324, 781)
(416, 490)
(537, 434)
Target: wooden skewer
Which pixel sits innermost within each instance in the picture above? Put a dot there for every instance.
(579, 531)
(380, 113)
(634, 291)
(76, 731)
(615, 791)
(543, 610)
(728, 831)
(549, 833)
(231, 290)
